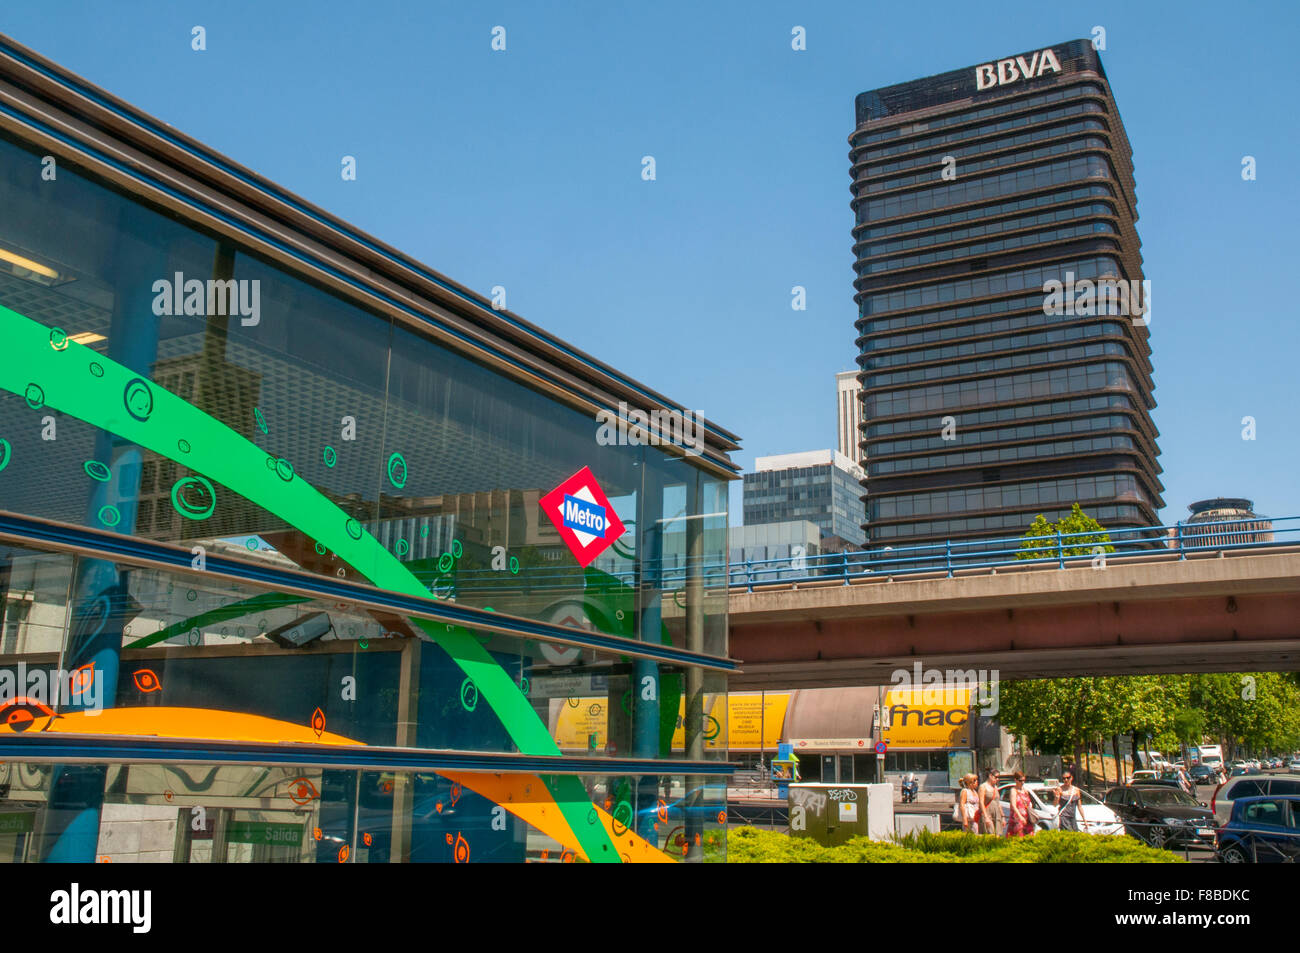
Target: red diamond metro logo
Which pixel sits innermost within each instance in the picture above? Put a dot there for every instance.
(582, 516)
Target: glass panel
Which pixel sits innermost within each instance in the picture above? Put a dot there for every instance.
(165, 813)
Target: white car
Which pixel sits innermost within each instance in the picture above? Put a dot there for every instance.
(1101, 819)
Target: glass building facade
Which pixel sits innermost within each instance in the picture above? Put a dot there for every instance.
(821, 486)
(282, 570)
(986, 400)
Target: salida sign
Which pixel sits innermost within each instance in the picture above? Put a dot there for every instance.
(1015, 68)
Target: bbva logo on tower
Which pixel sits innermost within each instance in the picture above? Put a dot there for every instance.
(1016, 68)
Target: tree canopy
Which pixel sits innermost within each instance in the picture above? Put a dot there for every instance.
(1253, 710)
(1039, 541)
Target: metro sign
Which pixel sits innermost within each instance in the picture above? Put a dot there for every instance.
(1016, 68)
(582, 516)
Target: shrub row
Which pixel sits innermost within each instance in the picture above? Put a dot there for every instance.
(749, 845)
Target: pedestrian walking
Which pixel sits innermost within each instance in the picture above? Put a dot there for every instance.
(1022, 819)
(992, 820)
(1069, 804)
(968, 805)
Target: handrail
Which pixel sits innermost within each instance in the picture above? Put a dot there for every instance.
(948, 559)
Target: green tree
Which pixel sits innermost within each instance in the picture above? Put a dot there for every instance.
(1257, 710)
(1188, 727)
(1052, 714)
(1040, 541)
(1062, 714)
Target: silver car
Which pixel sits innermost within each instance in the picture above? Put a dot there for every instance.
(1100, 818)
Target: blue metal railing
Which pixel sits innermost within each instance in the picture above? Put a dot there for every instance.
(1059, 551)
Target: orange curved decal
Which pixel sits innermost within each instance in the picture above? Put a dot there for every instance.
(526, 796)
(146, 680)
(515, 792)
(163, 722)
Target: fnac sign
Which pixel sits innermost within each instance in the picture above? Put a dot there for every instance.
(916, 720)
(583, 516)
(1016, 68)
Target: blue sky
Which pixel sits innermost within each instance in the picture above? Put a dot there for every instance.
(523, 168)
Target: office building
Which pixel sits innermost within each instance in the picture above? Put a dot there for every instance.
(301, 539)
(848, 411)
(1225, 521)
(992, 394)
(821, 486)
(770, 552)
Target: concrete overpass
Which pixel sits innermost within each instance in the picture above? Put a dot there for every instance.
(1232, 610)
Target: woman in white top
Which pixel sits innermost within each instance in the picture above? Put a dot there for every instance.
(968, 801)
(1069, 804)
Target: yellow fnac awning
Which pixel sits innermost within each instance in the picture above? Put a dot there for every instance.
(935, 716)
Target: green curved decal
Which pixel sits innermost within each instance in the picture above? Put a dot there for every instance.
(86, 385)
(235, 610)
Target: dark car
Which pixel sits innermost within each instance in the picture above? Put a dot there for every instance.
(1163, 816)
(1204, 774)
(1168, 780)
(1262, 829)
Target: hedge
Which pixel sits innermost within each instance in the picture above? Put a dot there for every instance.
(749, 845)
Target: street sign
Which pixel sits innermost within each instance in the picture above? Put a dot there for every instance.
(881, 747)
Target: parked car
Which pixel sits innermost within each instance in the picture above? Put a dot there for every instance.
(1261, 829)
(1204, 774)
(1101, 819)
(1178, 778)
(1162, 816)
(1293, 764)
(1251, 785)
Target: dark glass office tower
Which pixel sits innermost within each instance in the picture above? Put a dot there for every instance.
(986, 399)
